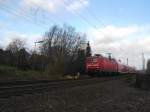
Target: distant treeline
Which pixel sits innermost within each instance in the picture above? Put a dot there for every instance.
(61, 52)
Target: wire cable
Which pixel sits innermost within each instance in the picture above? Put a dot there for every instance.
(82, 17)
(27, 18)
(92, 14)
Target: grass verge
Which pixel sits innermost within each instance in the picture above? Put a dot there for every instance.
(12, 73)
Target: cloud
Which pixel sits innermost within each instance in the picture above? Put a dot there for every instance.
(77, 5)
(53, 6)
(47, 5)
(111, 33)
(29, 39)
(122, 42)
(2, 2)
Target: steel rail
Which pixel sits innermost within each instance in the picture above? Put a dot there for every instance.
(45, 85)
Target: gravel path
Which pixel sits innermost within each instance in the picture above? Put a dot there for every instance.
(111, 96)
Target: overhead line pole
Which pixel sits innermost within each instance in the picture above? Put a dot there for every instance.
(143, 60)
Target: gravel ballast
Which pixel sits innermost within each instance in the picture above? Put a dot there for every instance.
(109, 96)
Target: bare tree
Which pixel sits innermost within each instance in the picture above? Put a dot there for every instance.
(61, 45)
(14, 48)
(15, 45)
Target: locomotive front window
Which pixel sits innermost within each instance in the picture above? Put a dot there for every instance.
(92, 60)
(95, 60)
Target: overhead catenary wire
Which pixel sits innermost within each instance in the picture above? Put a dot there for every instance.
(29, 19)
(78, 14)
(92, 14)
(38, 9)
(11, 11)
(18, 15)
(82, 17)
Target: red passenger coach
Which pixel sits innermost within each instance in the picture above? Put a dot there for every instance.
(99, 64)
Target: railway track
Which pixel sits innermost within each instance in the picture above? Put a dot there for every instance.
(18, 88)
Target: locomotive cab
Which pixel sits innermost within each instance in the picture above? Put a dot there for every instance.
(93, 64)
(100, 65)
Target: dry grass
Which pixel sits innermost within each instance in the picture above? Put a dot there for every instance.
(12, 73)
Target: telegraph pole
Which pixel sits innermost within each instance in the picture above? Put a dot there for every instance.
(35, 45)
(127, 61)
(143, 60)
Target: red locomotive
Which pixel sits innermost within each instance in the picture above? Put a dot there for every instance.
(102, 65)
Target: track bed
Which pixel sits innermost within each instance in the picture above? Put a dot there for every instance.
(107, 96)
(18, 88)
